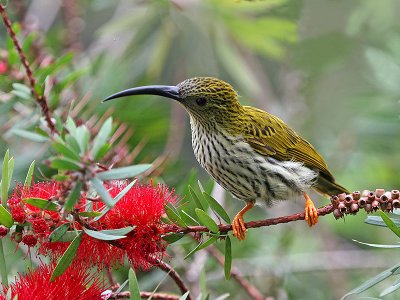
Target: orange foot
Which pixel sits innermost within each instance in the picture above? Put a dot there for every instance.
(311, 215)
(238, 226)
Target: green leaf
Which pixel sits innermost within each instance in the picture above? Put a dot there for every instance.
(389, 223)
(30, 135)
(22, 90)
(173, 237)
(206, 220)
(200, 246)
(67, 257)
(69, 236)
(116, 199)
(217, 207)
(184, 296)
(41, 203)
(103, 193)
(228, 258)
(123, 173)
(200, 201)
(4, 178)
(59, 232)
(173, 215)
(133, 285)
(121, 287)
(390, 289)
(378, 245)
(101, 138)
(89, 214)
(73, 143)
(29, 175)
(119, 231)
(188, 219)
(83, 137)
(64, 163)
(99, 235)
(377, 221)
(73, 196)
(373, 281)
(71, 127)
(5, 217)
(65, 150)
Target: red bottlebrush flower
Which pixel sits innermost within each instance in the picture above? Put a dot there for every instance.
(75, 284)
(3, 231)
(43, 221)
(142, 207)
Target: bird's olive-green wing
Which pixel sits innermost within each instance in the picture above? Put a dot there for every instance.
(270, 136)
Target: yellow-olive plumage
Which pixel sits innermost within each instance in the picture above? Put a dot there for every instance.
(248, 151)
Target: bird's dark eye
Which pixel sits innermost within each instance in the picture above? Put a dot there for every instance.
(201, 101)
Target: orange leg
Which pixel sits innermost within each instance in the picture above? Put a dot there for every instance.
(311, 215)
(239, 229)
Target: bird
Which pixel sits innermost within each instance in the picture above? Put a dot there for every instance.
(249, 152)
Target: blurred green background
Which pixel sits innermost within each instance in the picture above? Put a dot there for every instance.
(329, 69)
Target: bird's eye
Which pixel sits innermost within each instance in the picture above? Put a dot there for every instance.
(201, 101)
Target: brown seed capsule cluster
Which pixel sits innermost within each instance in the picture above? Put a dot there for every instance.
(369, 201)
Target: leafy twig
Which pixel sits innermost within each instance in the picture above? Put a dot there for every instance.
(253, 224)
(40, 99)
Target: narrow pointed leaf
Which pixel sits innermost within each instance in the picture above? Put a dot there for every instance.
(217, 208)
(70, 125)
(133, 286)
(32, 136)
(209, 242)
(64, 163)
(188, 218)
(377, 221)
(67, 257)
(59, 232)
(121, 287)
(390, 289)
(200, 201)
(192, 251)
(69, 236)
(73, 143)
(378, 245)
(102, 137)
(29, 175)
(41, 203)
(103, 193)
(82, 136)
(99, 235)
(373, 281)
(116, 199)
(5, 217)
(228, 258)
(123, 173)
(174, 215)
(11, 163)
(173, 237)
(4, 179)
(65, 150)
(119, 231)
(206, 220)
(389, 223)
(73, 196)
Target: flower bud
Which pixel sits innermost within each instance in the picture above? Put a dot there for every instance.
(356, 195)
(16, 236)
(337, 214)
(395, 194)
(3, 231)
(379, 192)
(354, 208)
(362, 201)
(342, 207)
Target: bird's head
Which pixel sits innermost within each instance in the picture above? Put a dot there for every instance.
(205, 98)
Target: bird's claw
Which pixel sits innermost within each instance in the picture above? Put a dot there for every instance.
(311, 214)
(239, 228)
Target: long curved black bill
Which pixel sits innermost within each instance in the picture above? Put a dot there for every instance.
(159, 90)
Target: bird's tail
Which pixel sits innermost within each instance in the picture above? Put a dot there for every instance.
(329, 187)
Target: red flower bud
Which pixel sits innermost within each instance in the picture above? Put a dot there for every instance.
(3, 231)
(29, 239)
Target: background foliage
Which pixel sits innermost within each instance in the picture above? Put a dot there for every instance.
(330, 69)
